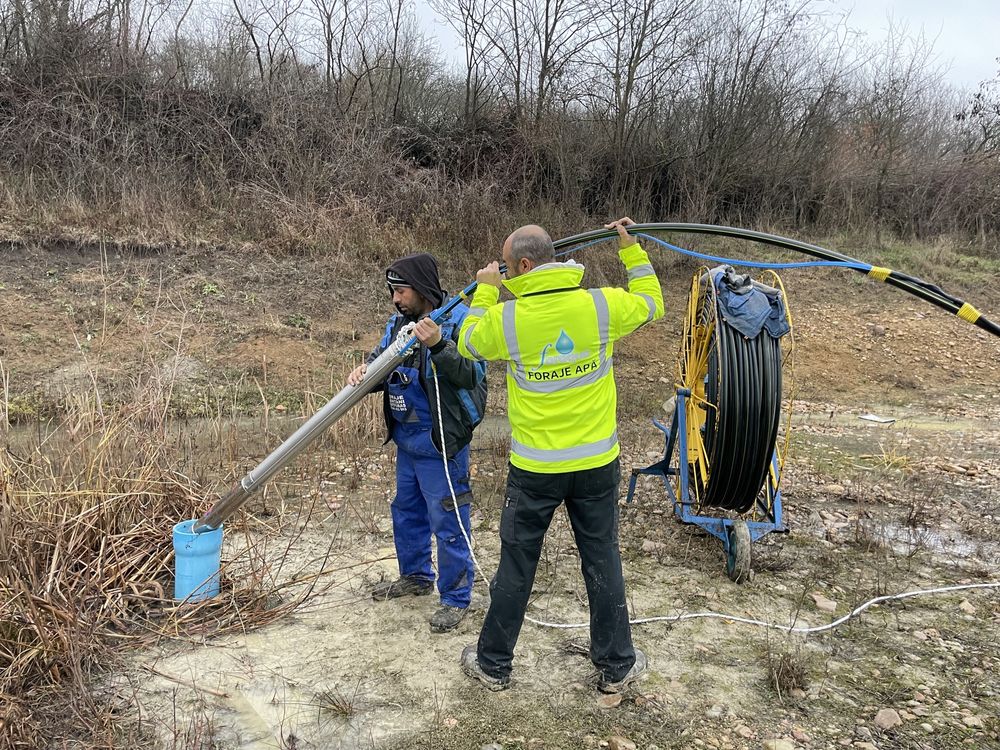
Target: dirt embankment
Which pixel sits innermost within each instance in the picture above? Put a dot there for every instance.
(228, 330)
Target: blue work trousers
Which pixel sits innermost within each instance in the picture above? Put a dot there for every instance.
(423, 507)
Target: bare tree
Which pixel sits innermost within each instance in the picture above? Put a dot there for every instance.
(469, 18)
(636, 68)
(892, 102)
(982, 119)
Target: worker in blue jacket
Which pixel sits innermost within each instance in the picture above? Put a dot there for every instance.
(423, 506)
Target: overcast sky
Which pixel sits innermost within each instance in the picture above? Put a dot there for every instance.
(965, 33)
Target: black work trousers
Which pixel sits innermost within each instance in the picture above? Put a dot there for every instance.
(591, 498)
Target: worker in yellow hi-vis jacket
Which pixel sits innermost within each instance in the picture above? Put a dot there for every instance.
(557, 339)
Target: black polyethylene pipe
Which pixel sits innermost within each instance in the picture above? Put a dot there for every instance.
(744, 385)
(917, 287)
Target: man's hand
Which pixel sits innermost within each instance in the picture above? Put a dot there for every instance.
(624, 238)
(427, 332)
(490, 275)
(357, 374)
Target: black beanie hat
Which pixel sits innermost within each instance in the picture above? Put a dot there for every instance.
(419, 271)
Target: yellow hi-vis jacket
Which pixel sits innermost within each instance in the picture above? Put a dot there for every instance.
(558, 341)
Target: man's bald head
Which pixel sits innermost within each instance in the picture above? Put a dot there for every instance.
(530, 243)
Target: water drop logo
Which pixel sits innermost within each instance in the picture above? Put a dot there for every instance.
(564, 344)
(564, 347)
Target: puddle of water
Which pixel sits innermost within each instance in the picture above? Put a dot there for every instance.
(951, 543)
(904, 420)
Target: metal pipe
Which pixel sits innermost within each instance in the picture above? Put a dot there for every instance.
(334, 409)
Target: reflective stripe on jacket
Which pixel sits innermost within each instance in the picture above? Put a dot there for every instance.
(558, 342)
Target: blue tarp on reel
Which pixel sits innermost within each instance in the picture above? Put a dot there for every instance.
(749, 306)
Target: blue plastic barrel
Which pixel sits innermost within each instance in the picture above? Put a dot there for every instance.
(197, 559)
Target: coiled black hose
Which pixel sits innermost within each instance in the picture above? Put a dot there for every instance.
(742, 411)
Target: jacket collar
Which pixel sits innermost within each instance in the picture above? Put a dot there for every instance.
(546, 277)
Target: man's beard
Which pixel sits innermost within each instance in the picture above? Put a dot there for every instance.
(406, 313)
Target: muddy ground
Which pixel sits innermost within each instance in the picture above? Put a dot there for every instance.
(871, 509)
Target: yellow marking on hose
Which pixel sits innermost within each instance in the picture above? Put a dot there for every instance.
(879, 274)
(968, 312)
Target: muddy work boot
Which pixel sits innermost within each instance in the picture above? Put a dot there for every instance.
(641, 662)
(470, 665)
(447, 618)
(402, 586)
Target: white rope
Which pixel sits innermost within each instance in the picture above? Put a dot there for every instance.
(447, 473)
(694, 615)
(785, 628)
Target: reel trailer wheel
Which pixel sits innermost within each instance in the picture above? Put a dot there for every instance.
(738, 556)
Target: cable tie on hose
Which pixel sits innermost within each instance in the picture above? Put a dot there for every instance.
(879, 274)
(968, 313)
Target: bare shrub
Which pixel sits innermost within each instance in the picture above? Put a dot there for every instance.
(788, 669)
(86, 566)
(301, 127)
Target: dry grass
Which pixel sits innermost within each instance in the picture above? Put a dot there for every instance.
(788, 669)
(337, 703)
(355, 431)
(86, 567)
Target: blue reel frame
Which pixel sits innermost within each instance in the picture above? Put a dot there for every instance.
(767, 504)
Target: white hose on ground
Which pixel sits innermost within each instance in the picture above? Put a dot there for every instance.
(693, 615)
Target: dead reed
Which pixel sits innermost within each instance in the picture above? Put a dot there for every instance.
(86, 570)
